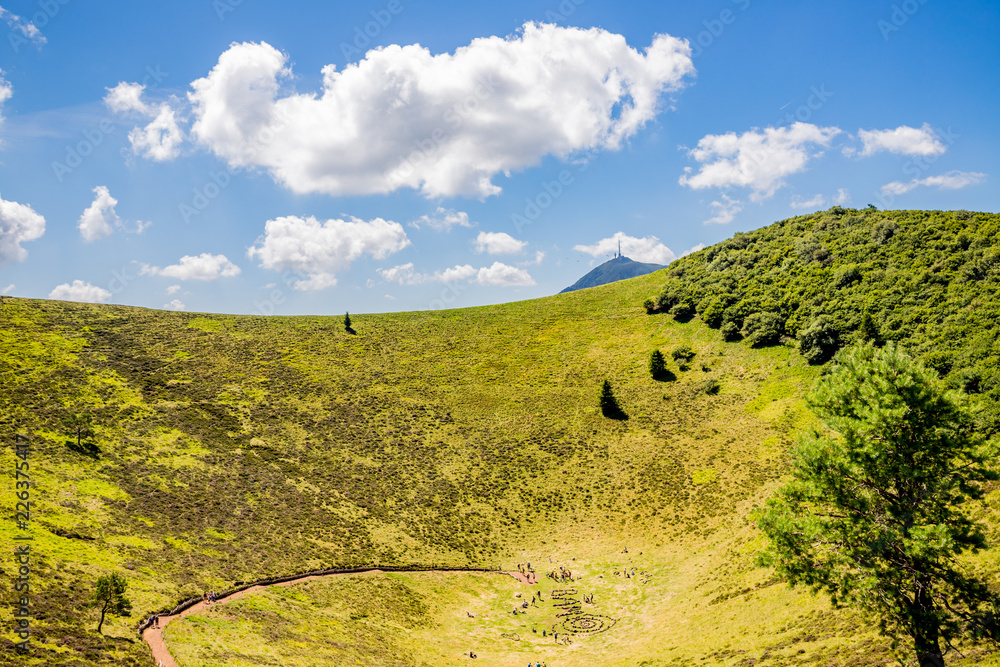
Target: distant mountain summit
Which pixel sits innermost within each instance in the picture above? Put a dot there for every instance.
(613, 270)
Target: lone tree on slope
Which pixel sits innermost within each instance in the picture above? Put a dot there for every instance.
(609, 404)
(657, 365)
(109, 595)
(873, 513)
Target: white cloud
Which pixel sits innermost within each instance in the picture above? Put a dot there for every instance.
(758, 159)
(319, 251)
(175, 304)
(127, 98)
(647, 249)
(442, 124)
(80, 291)
(6, 92)
(497, 275)
(205, 266)
(904, 140)
(404, 274)
(498, 243)
(28, 30)
(173, 289)
(814, 203)
(953, 180)
(843, 196)
(161, 139)
(693, 249)
(501, 275)
(8, 289)
(18, 223)
(539, 256)
(443, 220)
(99, 219)
(724, 211)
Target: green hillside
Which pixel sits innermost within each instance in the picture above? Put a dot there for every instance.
(227, 449)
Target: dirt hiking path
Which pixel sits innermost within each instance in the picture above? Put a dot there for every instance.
(153, 635)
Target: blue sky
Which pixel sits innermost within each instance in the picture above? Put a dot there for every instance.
(243, 156)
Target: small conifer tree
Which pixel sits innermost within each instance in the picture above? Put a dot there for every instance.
(657, 365)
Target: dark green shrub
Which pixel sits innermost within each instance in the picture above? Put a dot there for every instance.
(683, 311)
(761, 329)
(713, 312)
(819, 341)
(683, 353)
(730, 332)
(846, 276)
(884, 231)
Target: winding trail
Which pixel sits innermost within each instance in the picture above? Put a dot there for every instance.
(153, 634)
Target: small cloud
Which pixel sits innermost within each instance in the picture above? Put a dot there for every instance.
(813, 203)
(501, 275)
(390, 297)
(725, 211)
(903, 140)
(173, 289)
(759, 159)
(843, 197)
(953, 180)
(28, 30)
(127, 98)
(443, 220)
(497, 275)
(176, 304)
(100, 218)
(692, 250)
(498, 243)
(8, 289)
(80, 291)
(648, 249)
(539, 256)
(18, 223)
(319, 250)
(201, 267)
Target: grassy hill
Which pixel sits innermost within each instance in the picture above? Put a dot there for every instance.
(228, 449)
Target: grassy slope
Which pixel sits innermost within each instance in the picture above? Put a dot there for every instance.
(234, 448)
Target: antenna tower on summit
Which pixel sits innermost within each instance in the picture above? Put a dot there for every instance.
(619, 247)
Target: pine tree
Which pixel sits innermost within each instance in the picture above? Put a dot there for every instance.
(609, 404)
(657, 365)
(347, 321)
(874, 514)
(868, 331)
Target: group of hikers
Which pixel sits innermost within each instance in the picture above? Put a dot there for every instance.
(562, 576)
(209, 597)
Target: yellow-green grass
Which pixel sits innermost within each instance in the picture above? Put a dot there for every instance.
(237, 448)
